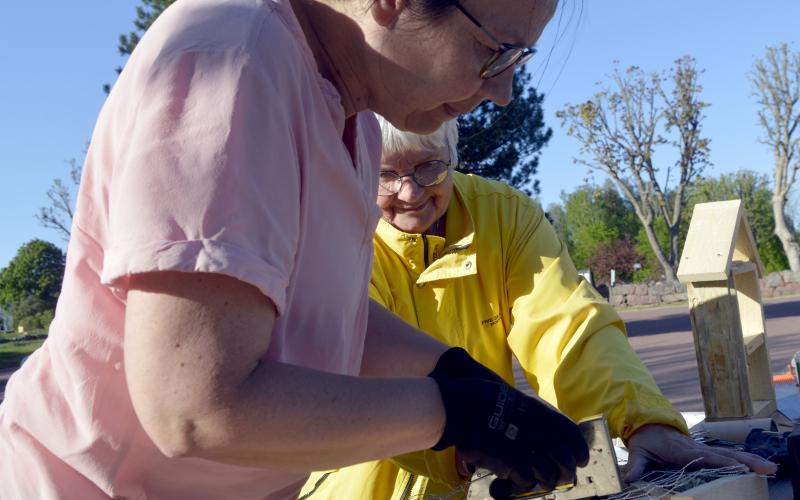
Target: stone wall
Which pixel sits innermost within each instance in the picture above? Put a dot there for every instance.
(635, 295)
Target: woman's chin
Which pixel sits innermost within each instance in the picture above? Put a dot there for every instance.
(410, 225)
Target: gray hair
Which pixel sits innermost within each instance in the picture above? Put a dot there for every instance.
(397, 141)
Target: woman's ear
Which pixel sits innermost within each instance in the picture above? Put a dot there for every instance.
(386, 12)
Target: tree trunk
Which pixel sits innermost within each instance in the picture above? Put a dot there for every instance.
(669, 273)
(786, 236)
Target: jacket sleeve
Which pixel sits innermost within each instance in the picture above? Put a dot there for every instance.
(439, 466)
(569, 341)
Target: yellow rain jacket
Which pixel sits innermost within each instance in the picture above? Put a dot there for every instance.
(501, 284)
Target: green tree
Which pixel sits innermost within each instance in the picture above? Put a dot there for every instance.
(503, 142)
(35, 273)
(593, 215)
(623, 125)
(754, 191)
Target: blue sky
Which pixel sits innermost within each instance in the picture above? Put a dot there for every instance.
(57, 55)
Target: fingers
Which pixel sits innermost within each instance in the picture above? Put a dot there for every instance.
(753, 462)
(572, 437)
(546, 471)
(565, 462)
(637, 465)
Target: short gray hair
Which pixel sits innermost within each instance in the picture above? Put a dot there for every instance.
(396, 140)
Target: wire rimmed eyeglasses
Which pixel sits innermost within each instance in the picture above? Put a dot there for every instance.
(506, 55)
(427, 174)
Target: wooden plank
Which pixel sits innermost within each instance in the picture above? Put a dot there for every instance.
(748, 294)
(764, 408)
(710, 241)
(759, 374)
(744, 487)
(753, 342)
(739, 267)
(745, 247)
(719, 345)
(751, 310)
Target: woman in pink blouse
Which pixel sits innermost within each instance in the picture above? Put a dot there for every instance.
(214, 338)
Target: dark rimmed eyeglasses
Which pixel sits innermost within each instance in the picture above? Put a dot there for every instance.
(427, 174)
(505, 56)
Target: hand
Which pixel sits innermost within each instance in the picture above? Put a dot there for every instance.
(664, 445)
(519, 438)
(457, 363)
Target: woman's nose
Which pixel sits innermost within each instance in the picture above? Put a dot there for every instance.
(499, 89)
(409, 190)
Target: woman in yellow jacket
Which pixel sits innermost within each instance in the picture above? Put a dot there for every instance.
(475, 264)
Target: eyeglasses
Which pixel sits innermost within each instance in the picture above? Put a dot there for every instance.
(425, 174)
(505, 56)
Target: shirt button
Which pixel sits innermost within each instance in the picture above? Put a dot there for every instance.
(420, 285)
(468, 264)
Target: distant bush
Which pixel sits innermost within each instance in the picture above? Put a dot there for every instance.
(620, 255)
(36, 323)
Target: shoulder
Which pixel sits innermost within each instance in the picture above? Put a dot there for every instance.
(216, 36)
(491, 198)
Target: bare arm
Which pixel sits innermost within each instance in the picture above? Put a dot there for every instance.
(192, 348)
(394, 348)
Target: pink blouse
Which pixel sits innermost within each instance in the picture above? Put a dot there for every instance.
(219, 150)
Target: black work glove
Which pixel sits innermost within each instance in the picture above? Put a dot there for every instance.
(457, 363)
(523, 440)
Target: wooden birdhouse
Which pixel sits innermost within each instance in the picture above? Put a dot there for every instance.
(721, 267)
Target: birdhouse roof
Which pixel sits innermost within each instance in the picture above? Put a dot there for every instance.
(719, 239)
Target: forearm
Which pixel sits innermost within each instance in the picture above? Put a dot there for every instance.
(193, 349)
(393, 348)
(286, 417)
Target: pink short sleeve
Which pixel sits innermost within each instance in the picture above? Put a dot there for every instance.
(208, 180)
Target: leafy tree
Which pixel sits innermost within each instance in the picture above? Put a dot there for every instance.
(753, 189)
(776, 80)
(620, 255)
(58, 215)
(557, 216)
(594, 215)
(651, 267)
(32, 313)
(503, 142)
(622, 126)
(36, 272)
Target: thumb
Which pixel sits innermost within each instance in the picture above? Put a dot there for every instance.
(637, 464)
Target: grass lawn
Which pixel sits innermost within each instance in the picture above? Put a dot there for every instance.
(11, 353)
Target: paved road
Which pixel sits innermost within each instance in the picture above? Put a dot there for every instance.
(663, 339)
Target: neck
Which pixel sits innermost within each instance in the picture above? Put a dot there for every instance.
(437, 228)
(333, 38)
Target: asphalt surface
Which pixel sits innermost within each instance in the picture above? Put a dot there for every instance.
(663, 339)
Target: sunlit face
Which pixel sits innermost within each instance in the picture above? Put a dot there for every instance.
(413, 209)
(431, 69)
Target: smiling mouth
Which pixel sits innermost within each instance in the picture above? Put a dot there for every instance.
(412, 209)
